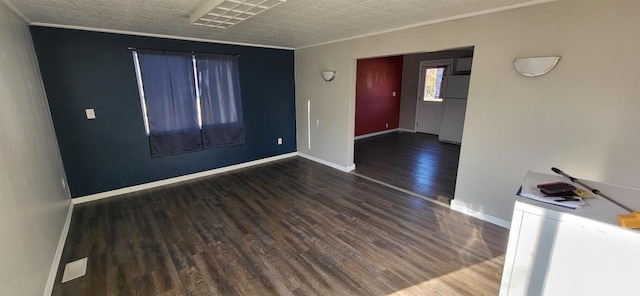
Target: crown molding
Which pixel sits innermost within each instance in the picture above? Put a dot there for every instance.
(442, 20)
(175, 37)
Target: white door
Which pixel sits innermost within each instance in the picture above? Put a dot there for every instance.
(431, 91)
(429, 117)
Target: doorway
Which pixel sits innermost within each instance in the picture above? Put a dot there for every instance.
(415, 158)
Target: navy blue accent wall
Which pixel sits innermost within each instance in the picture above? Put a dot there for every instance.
(82, 69)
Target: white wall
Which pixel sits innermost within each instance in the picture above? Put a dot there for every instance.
(33, 204)
(582, 117)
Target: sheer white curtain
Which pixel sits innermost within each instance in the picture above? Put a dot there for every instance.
(221, 105)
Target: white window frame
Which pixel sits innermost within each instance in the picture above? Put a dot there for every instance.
(143, 102)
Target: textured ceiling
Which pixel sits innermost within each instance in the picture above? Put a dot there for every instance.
(294, 24)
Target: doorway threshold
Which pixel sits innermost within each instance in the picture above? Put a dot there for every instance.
(429, 199)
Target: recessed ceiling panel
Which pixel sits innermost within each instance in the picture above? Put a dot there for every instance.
(222, 14)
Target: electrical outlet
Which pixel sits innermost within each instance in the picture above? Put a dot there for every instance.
(91, 114)
(279, 141)
(394, 93)
(386, 125)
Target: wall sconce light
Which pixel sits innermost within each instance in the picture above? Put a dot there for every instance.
(536, 66)
(328, 75)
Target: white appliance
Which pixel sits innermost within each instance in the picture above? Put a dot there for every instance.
(454, 109)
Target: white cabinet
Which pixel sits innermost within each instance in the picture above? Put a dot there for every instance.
(558, 251)
(457, 86)
(463, 64)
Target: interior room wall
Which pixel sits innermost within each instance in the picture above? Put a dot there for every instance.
(82, 69)
(33, 202)
(411, 77)
(581, 117)
(377, 108)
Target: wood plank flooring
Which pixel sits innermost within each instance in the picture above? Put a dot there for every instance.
(413, 161)
(291, 227)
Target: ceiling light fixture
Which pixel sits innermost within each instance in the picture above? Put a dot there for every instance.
(226, 13)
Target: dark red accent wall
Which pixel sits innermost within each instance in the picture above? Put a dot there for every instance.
(376, 106)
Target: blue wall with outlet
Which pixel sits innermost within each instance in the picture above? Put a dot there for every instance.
(82, 69)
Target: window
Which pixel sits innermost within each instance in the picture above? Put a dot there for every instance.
(190, 101)
(434, 84)
(433, 79)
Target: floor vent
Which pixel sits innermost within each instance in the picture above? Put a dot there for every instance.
(74, 270)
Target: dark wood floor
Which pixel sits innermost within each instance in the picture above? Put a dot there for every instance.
(291, 227)
(413, 161)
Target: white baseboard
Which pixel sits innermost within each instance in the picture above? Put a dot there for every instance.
(455, 205)
(376, 134)
(407, 130)
(48, 289)
(106, 194)
(346, 168)
(462, 208)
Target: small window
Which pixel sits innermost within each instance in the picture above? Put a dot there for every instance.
(434, 84)
(189, 101)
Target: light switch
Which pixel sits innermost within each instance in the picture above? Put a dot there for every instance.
(394, 93)
(91, 114)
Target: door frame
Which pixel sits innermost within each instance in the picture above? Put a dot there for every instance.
(420, 94)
